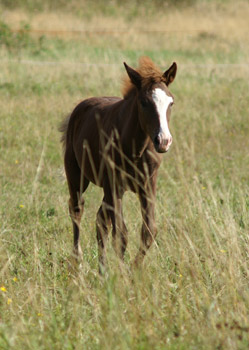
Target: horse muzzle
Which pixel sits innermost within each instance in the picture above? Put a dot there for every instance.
(162, 142)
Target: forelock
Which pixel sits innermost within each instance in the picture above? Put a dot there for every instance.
(150, 74)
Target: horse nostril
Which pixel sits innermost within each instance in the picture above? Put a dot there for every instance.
(157, 140)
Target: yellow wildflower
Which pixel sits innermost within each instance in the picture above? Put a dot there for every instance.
(203, 187)
(21, 206)
(16, 161)
(39, 314)
(15, 279)
(9, 301)
(3, 289)
(223, 251)
(180, 275)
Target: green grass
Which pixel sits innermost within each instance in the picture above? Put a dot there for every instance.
(192, 292)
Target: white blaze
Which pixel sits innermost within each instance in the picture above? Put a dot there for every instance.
(162, 102)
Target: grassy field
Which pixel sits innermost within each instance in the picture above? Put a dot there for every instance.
(193, 290)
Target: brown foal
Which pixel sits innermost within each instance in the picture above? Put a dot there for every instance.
(117, 144)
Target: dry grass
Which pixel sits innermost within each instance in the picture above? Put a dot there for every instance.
(201, 17)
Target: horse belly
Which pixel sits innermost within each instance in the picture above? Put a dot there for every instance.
(89, 146)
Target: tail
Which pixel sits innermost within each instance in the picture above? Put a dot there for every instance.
(63, 127)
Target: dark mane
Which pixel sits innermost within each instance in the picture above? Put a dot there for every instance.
(150, 73)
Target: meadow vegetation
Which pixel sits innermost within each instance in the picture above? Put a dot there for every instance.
(192, 292)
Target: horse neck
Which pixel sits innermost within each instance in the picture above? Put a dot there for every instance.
(134, 139)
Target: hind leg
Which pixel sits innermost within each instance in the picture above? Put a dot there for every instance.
(103, 223)
(119, 229)
(77, 185)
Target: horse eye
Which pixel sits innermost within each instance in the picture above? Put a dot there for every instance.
(144, 103)
(172, 103)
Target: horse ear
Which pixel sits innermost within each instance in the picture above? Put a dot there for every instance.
(134, 76)
(170, 74)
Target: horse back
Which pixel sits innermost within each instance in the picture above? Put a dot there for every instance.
(91, 120)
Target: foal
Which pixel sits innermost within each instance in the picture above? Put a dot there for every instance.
(117, 144)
